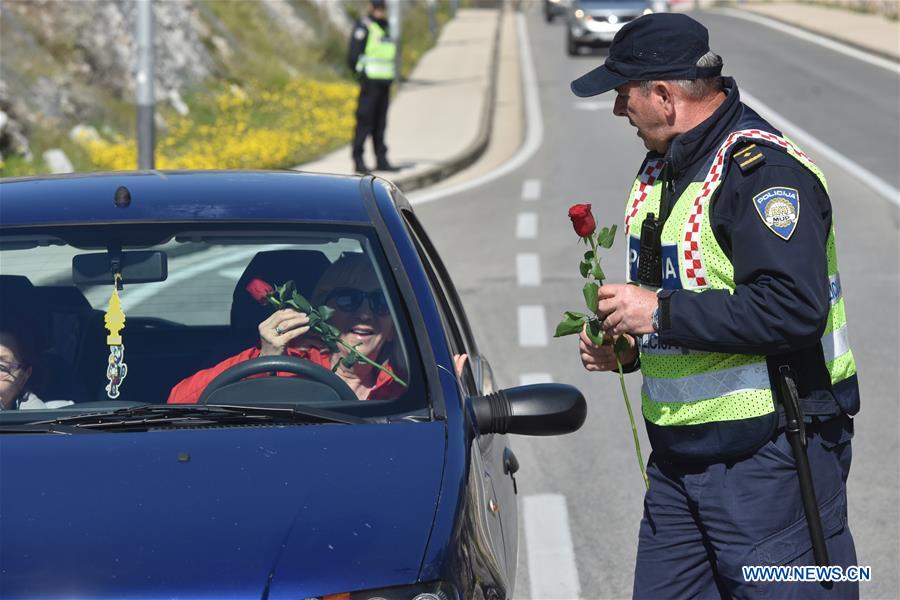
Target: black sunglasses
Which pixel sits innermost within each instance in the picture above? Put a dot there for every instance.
(349, 299)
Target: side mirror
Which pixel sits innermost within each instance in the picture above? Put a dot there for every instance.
(540, 409)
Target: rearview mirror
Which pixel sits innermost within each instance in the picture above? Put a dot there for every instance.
(136, 266)
(539, 409)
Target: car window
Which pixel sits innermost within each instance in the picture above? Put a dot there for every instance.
(207, 310)
(448, 302)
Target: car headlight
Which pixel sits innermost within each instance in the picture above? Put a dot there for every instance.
(579, 14)
(436, 590)
(612, 19)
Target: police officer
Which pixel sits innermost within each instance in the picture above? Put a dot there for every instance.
(731, 247)
(371, 56)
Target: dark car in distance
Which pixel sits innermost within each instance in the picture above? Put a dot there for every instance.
(555, 8)
(266, 487)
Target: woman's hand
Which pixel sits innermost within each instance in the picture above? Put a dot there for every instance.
(603, 358)
(280, 329)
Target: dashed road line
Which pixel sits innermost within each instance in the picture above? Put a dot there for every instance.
(532, 326)
(552, 570)
(526, 226)
(528, 270)
(532, 378)
(531, 189)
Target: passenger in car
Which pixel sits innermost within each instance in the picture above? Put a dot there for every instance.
(351, 287)
(17, 357)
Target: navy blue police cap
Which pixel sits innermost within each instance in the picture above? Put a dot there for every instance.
(658, 46)
(377, 3)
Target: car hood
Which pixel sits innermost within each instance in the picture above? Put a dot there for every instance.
(217, 512)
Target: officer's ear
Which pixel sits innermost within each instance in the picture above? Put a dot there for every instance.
(664, 97)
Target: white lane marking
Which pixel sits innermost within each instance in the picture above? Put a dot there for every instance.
(812, 145)
(594, 104)
(850, 51)
(532, 326)
(526, 226)
(532, 378)
(531, 189)
(528, 270)
(552, 570)
(533, 123)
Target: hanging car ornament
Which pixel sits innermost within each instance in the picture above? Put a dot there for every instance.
(114, 319)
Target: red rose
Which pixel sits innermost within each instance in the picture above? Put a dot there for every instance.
(260, 290)
(582, 219)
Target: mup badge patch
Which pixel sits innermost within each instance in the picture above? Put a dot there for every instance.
(779, 208)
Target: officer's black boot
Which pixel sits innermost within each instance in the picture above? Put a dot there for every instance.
(360, 167)
(385, 165)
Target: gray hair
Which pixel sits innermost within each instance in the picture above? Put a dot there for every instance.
(696, 89)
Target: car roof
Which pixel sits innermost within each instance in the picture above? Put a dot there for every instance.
(180, 196)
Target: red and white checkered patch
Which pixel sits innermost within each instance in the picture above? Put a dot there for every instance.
(693, 254)
(645, 182)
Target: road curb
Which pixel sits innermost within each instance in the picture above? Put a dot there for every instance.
(473, 152)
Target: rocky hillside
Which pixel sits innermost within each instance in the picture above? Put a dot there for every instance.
(70, 63)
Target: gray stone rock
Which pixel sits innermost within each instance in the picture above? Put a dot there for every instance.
(57, 161)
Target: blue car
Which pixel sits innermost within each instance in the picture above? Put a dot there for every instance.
(247, 385)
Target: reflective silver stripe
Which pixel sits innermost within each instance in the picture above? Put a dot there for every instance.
(650, 345)
(834, 288)
(835, 343)
(708, 385)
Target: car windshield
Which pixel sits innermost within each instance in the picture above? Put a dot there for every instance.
(191, 299)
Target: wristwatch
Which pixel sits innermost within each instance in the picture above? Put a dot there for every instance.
(654, 319)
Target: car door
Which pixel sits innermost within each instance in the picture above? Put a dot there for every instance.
(493, 459)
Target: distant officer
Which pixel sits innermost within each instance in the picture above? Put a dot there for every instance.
(730, 238)
(371, 56)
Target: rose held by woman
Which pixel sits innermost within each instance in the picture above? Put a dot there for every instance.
(582, 219)
(259, 290)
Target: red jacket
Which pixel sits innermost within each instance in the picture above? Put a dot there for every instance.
(189, 389)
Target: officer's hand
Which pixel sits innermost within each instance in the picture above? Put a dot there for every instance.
(603, 358)
(626, 308)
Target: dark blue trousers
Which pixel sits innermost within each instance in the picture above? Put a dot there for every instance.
(702, 523)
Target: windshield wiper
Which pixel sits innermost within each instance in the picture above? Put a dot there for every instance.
(154, 415)
(43, 427)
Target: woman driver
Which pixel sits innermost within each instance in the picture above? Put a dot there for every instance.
(349, 286)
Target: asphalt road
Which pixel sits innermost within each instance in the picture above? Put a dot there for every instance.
(588, 155)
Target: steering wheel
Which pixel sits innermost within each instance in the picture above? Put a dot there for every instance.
(288, 364)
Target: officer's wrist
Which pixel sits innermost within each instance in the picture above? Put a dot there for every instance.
(664, 318)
